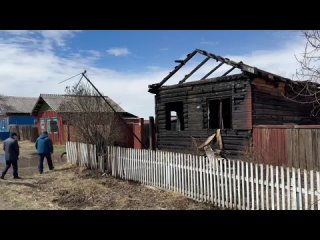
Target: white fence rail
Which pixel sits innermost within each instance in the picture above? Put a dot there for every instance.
(225, 183)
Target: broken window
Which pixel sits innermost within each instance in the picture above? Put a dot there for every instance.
(219, 113)
(174, 116)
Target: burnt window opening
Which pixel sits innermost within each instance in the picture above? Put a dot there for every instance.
(219, 113)
(174, 116)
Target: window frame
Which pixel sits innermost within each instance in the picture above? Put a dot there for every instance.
(178, 108)
(42, 124)
(220, 121)
(49, 129)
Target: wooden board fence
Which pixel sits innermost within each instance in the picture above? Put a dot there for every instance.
(226, 183)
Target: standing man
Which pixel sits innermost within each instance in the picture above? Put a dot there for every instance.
(45, 149)
(11, 149)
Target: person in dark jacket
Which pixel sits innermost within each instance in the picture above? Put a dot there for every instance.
(11, 149)
(45, 149)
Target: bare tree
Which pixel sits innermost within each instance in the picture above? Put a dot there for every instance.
(310, 60)
(306, 89)
(92, 119)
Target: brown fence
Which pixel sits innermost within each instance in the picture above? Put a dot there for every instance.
(25, 132)
(289, 145)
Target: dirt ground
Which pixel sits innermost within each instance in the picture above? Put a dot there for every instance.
(28, 159)
(69, 187)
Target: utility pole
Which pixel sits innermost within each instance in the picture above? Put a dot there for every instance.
(117, 114)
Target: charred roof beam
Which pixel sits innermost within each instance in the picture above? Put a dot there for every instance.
(214, 69)
(239, 65)
(154, 87)
(194, 70)
(227, 72)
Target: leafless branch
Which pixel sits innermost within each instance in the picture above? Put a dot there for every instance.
(93, 120)
(307, 87)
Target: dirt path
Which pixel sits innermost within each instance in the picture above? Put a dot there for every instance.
(69, 187)
(4, 205)
(27, 165)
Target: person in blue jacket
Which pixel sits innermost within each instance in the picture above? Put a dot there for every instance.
(44, 148)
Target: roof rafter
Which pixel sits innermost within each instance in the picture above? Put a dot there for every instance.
(213, 70)
(154, 88)
(194, 70)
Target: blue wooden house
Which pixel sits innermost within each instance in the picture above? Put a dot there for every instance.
(15, 111)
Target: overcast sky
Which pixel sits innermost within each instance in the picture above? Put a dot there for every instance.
(123, 63)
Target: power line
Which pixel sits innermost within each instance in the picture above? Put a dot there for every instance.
(78, 82)
(117, 113)
(69, 78)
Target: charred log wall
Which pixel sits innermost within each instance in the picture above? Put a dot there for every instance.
(195, 97)
(271, 107)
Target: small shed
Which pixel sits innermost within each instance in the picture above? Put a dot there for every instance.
(15, 114)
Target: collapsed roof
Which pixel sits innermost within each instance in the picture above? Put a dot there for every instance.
(154, 88)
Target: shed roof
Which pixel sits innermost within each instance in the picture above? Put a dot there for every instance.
(22, 105)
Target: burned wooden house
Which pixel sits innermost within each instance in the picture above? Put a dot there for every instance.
(239, 104)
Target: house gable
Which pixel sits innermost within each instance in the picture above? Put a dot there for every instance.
(45, 107)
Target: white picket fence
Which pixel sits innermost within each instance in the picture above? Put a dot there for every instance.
(85, 155)
(232, 184)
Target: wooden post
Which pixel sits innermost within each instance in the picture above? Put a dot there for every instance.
(318, 189)
(247, 179)
(312, 190)
(272, 187)
(238, 185)
(257, 186)
(305, 178)
(267, 187)
(211, 181)
(152, 133)
(219, 139)
(277, 188)
(283, 188)
(207, 164)
(262, 186)
(252, 186)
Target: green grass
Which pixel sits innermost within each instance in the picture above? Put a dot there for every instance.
(59, 148)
